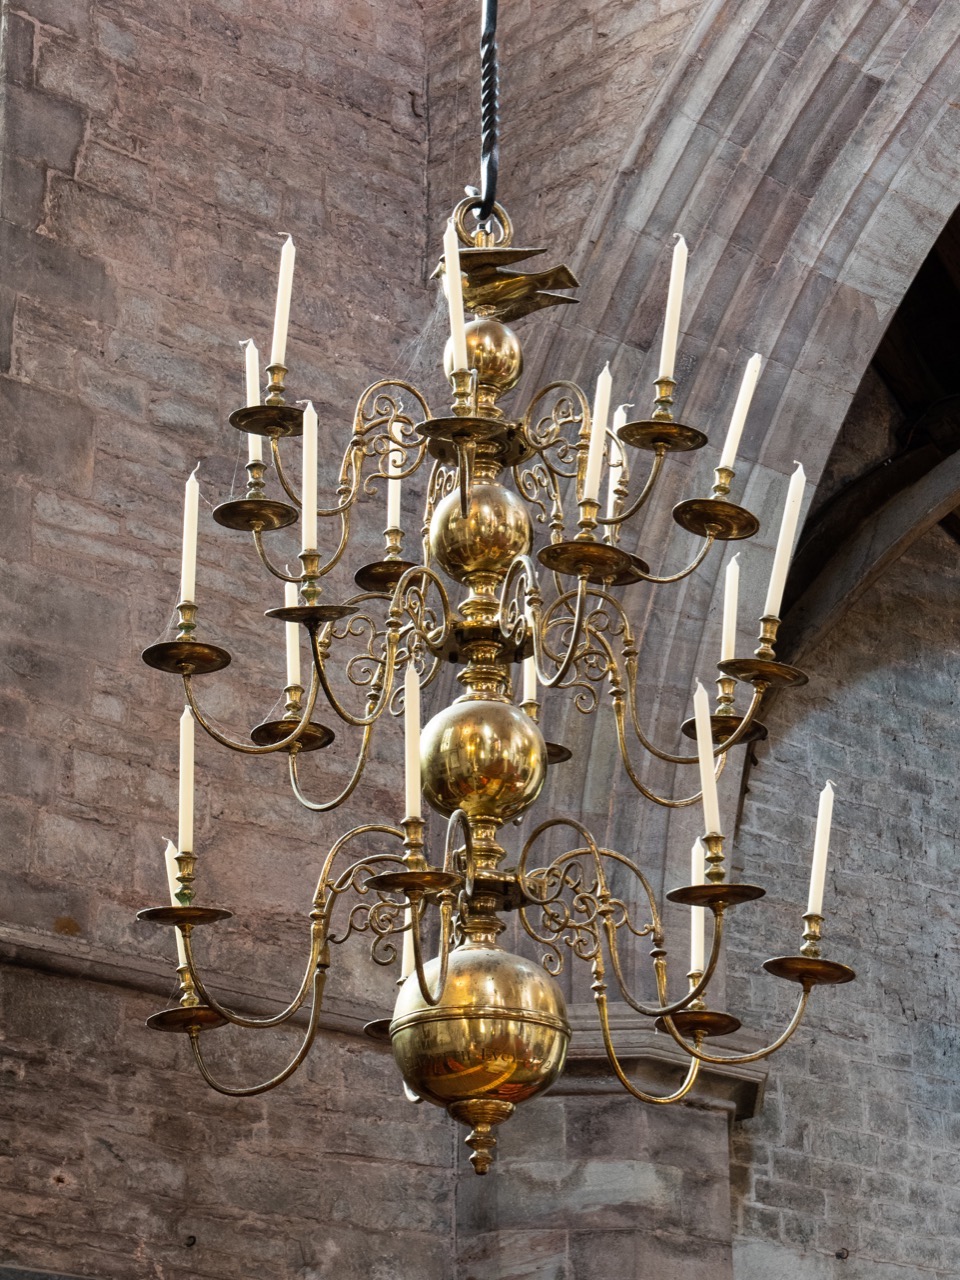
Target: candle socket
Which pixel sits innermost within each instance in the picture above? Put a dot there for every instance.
(413, 844)
(464, 384)
(188, 992)
(187, 865)
(310, 581)
(589, 511)
(713, 844)
(722, 480)
(726, 686)
(293, 700)
(663, 404)
(275, 386)
(693, 977)
(255, 485)
(393, 541)
(811, 935)
(769, 626)
(187, 622)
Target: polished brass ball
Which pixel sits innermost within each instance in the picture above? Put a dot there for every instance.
(485, 757)
(493, 350)
(499, 1032)
(495, 530)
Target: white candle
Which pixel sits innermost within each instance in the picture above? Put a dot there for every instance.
(281, 319)
(185, 834)
(821, 845)
(788, 530)
(191, 513)
(598, 436)
(251, 361)
(529, 679)
(615, 460)
(408, 960)
(170, 857)
(173, 884)
(708, 780)
(747, 386)
(308, 489)
(671, 323)
(292, 635)
(454, 291)
(697, 914)
(731, 590)
(411, 739)
(394, 467)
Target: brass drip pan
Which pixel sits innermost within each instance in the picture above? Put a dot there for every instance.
(809, 971)
(269, 420)
(186, 657)
(598, 562)
(724, 727)
(313, 738)
(184, 1018)
(725, 520)
(250, 514)
(776, 675)
(672, 437)
(708, 1022)
(715, 895)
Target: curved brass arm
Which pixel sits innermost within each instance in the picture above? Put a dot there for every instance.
(386, 689)
(318, 933)
(693, 1070)
(244, 747)
(347, 488)
(684, 573)
(310, 1035)
(285, 484)
(668, 756)
(642, 497)
(551, 682)
(432, 998)
(266, 562)
(665, 1010)
(645, 791)
(736, 1058)
(326, 806)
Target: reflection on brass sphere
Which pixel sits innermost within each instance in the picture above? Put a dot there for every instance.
(494, 531)
(493, 350)
(499, 1032)
(487, 758)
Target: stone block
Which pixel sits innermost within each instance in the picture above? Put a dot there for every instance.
(22, 192)
(577, 1194)
(40, 127)
(603, 1254)
(18, 39)
(53, 438)
(515, 1255)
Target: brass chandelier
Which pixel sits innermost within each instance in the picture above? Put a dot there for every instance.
(476, 1029)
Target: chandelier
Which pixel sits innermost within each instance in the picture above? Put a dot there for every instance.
(476, 1029)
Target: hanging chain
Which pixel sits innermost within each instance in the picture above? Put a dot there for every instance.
(489, 112)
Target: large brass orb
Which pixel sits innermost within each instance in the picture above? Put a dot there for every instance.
(493, 350)
(498, 1036)
(487, 758)
(495, 530)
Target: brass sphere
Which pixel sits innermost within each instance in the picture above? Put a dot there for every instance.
(493, 350)
(495, 530)
(485, 757)
(499, 1032)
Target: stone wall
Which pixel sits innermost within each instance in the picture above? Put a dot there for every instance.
(151, 156)
(851, 1169)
